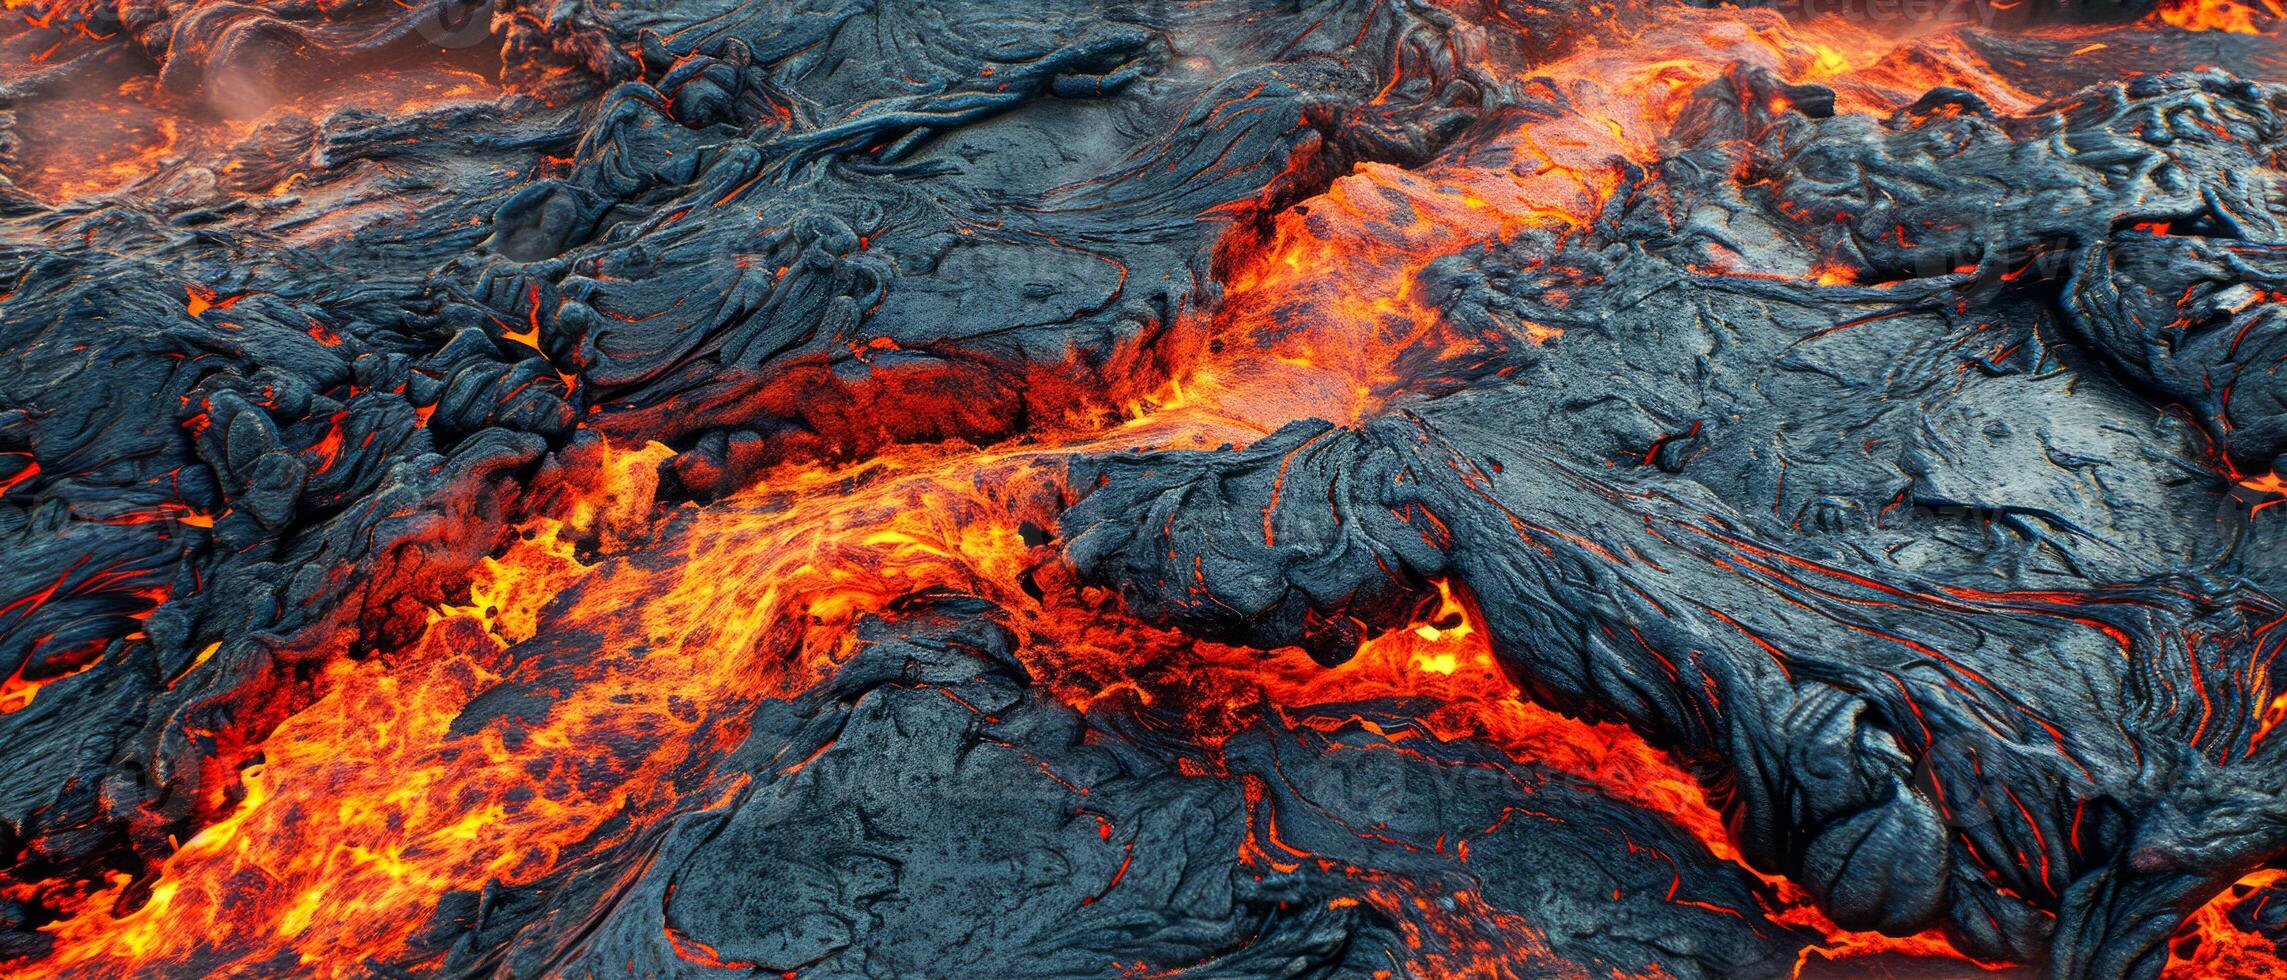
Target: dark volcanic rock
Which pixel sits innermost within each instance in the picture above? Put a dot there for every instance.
(1907, 561)
(1900, 472)
(928, 811)
(760, 253)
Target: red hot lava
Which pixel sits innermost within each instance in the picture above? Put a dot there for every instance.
(530, 436)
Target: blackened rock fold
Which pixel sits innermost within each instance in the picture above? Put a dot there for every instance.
(1894, 469)
(1923, 574)
(272, 401)
(928, 810)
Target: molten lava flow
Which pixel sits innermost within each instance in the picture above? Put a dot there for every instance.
(2211, 945)
(643, 633)
(1321, 314)
(370, 804)
(612, 651)
(2233, 16)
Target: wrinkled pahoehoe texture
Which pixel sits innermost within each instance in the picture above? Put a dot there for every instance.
(1420, 487)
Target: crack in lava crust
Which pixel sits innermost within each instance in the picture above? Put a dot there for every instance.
(1405, 488)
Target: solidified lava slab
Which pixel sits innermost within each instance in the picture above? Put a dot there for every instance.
(1401, 488)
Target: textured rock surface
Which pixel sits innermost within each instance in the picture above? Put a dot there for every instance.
(1846, 543)
(684, 488)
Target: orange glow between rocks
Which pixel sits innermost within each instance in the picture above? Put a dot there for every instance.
(654, 628)
(2231, 16)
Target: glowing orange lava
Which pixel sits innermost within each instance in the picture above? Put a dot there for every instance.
(2231, 16)
(2209, 945)
(646, 630)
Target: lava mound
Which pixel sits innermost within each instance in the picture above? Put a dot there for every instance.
(1408, 489)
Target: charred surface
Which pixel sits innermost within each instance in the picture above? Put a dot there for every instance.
(856, 488)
